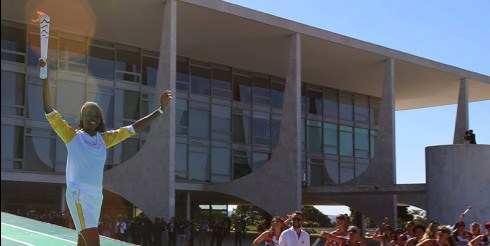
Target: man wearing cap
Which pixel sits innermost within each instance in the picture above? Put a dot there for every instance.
(482, 240)
(295, 236)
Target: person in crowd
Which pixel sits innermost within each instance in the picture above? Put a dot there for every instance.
(396, 239)
(407, 234)
(271, 237)
(107, 226)
(172, 232)
(475, 230)
(460, 235)
(217, 231)
(147, 227)
(120, 228)
(163, 225)
(482, 239)
(386, 237)
(203, 230)
(443, 238)
(238, 232)
(189, 231)
(417, 232)
(227, 225)
(354, 238)
(157, 232)
(136, 230)
(295, 235)
(87, 149)
(341, 226)
(431, 231)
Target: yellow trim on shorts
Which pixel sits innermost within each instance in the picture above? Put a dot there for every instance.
(80, 215)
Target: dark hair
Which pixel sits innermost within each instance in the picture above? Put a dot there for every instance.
(101, 126)
(299, 212)
(416, 227)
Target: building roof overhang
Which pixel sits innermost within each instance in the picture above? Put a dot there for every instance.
(224, 33)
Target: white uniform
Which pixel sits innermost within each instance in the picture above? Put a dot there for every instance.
(290, 238)
(85, 168)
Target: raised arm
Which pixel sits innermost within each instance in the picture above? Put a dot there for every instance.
(331, 237)
(261, 238)
(144, 122)
(48, 107)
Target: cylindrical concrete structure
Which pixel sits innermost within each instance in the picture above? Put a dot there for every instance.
(458, 176)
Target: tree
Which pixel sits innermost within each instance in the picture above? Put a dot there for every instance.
(251, 213)
(403, 215)
(312, 214)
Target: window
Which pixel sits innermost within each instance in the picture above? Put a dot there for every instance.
(221, 122)
(130, 147)
(374, 106)
(277, 93)
(12, 147)
(372, 138)
(241, 126)
(303, 135)
(241, 164)
(314, 137)
(34, 50)
(73, 55)
(221, 83)
(101, 62)
(199, 159)
(330, 103)
(103, 96)
(220, 164)
(13, 89)
(275, 129)
(361, 108)
(13, 44)
(242, 88)
(261, 126)
(346, 146)
(346, 171)
(150, 69)
(39, 149)
(147, 106)
(181, 117)
(261, 90)
(330, 138)
(34, 109)
(316, 172)
(314, 97)
(200, 81)
(199, 123)
(131, 106)
(182, 75)
(361, 142)
(332, 167)
(128, 64)
(180, 161)
(259, 159)
(346, 106)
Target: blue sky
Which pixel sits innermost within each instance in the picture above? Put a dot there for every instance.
(448, 31)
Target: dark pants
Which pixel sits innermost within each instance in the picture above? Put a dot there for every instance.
(171, 239)
(238, 238)
(218, 238)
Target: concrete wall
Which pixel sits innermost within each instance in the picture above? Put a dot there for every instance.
(458, 176)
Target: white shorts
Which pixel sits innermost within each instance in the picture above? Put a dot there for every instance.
(84, 208)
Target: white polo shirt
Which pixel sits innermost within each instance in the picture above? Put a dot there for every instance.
(290, 238)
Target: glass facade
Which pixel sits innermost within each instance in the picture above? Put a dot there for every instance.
(228, 120)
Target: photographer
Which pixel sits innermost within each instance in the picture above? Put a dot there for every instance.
(469, 137)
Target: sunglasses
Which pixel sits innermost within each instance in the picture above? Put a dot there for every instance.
(340, 218)
(297, 219)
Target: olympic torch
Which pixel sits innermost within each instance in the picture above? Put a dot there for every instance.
(44, 35)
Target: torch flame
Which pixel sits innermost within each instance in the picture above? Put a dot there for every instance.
(39, 14)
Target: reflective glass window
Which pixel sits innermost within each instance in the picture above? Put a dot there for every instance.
(261, 91)
(39, 149)
(181, 117)
(101, 62)
(131, 105)
(128, 65)
(277, 94)
(330, 103)
(374, 106)
(221, 122)
(34, 96)
(361, 166)
(73, 55)
(346, 145)
(200, 81)
(241, 164)
(221, 84)
(303, 135)
(200, 161)
(150, 69)
(242, 89)
(13, 42)
(261, 128)
(241, 128)
(13, 89)
(275, 129)
(373, 137)
(304, 110)
(12, 147)
(314, 137)
(346, 106)
(147, 107)
(346, 171)
(259, 159)
(330, 138)
(316, 173)
(332, 167)
(182, 75)
(199, 123)
(180, 161)
(220, 164)
(361, 108)
(361, 142)
(314, 97)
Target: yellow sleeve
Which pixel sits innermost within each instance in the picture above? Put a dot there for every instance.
(114, 137)
(61, 127)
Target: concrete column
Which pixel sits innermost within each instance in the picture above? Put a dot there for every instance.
(462, 120)
(386, 137)
(63, 199)
(188, 203)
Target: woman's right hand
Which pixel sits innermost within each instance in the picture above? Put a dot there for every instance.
(41, 63)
